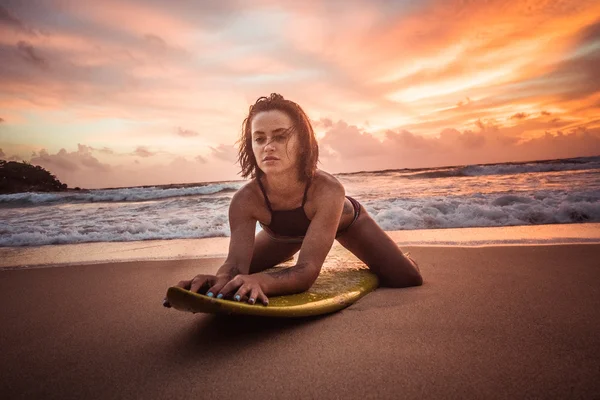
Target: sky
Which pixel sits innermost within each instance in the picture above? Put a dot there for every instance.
(119, 93)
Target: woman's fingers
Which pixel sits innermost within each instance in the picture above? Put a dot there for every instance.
(181, 284)
(263, 298)
(200, 281)
(253, 295)
(184, 284)
(256, 295)
(242, 291)
(231, 286)
(214, 290)
(196, 284)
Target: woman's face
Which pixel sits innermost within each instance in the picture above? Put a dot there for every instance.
(274, 142)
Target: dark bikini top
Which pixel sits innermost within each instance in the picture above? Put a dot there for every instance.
(287, 222)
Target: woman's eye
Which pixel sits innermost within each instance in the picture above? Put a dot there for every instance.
(281, 138)
(259, 140)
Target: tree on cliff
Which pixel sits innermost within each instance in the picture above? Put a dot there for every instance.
(16, 177)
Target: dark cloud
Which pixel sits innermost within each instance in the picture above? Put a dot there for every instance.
(10, 20)
(155, 40)
(186, 132)
(200, 159)
(156, 44)
(30, 54)
(208, 14)
(580, 75)
(1, 120)
(143, 152)
(546, 113)
(590, 34)
(520, 115)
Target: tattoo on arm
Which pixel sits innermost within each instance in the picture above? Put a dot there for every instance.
(288, 272)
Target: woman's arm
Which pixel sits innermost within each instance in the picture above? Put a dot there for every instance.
(242, 224)
(241, 244)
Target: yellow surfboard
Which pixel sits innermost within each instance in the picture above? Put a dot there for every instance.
(334, 289)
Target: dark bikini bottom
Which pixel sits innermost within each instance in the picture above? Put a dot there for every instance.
(300, 239)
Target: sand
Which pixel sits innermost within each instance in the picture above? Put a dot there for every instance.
(497, 322)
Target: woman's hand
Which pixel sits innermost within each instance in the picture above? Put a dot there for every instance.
(201, 281)
(242, 287)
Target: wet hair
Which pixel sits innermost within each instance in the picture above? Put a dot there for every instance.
(309, 149)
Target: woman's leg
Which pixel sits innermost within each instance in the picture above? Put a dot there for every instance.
(367, 241)
(269, 252)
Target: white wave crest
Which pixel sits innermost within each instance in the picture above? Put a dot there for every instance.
(118, 195)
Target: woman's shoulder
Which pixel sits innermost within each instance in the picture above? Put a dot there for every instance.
(325, 183)
(248, 202)
(249, 193)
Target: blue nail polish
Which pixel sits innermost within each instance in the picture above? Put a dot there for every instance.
(209, 294)
(220, 296)
(237, 297)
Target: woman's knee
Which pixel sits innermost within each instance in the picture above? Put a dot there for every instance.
(402, 281)
(404, 273)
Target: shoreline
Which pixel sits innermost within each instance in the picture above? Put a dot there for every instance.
(47, 256)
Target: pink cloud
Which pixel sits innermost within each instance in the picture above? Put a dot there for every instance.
(489, 143)
(349, 141)
(225, 152)
(143, 152)
(81, 168)
(186, 132)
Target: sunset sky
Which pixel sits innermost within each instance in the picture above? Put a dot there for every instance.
(136, 92)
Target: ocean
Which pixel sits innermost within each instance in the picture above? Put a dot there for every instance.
(490, 195)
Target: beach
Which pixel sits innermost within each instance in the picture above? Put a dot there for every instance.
(491, 321)
(148, 143)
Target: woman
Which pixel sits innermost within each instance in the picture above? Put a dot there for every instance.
(300, 208)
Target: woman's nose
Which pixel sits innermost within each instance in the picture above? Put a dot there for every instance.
(269, 145)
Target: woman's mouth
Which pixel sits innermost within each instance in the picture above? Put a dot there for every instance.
(270, 158)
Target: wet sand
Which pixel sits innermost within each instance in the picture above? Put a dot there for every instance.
(496, 322)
